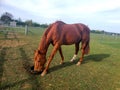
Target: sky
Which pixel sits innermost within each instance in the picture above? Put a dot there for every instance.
(97, 14)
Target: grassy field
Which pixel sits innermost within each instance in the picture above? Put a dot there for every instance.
(99, 71)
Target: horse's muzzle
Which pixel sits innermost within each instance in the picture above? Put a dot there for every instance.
(34, 72)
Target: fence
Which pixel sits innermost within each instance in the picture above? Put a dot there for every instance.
(5, 29)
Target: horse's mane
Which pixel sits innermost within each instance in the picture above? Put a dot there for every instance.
(56, 23)
(47, 30)
(60, 22)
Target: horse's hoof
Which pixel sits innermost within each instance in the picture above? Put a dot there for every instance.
(78, 63)
(61, 63)
(43, 73)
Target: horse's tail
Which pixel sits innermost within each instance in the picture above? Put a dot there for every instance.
(86, 41)
(87, 47)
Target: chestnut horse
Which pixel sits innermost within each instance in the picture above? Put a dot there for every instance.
(57, 34)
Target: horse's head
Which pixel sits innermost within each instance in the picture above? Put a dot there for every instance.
(39, 61)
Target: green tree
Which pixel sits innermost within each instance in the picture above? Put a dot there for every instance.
(28, 22)
(6, 17)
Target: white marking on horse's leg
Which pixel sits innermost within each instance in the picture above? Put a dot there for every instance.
(61, 62)
(73, 58)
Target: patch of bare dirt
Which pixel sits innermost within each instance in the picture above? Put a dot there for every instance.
(11, 43)
(12, 40)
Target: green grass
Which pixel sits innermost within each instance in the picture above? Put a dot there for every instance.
(99, 71)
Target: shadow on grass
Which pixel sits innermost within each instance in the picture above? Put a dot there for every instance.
(65, 64)
(25, 60)
(33, 79)
(2, 60)
(8, 86)
(94, 57)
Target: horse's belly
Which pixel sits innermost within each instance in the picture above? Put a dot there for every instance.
(71, 40)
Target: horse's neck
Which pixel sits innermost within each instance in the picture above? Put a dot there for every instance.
(43, 45)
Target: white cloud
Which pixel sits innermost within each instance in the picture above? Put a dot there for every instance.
(92, 12)
(56, 8)
(114, 21)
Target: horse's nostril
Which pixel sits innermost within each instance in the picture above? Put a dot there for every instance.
(34, 72)
(32, 68)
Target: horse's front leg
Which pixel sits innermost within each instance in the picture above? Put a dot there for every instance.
(56, 47)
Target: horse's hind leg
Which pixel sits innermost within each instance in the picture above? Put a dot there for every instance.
(61, 54)
(76, 52)
(83, 52)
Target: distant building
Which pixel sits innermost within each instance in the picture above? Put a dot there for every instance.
(13, 24)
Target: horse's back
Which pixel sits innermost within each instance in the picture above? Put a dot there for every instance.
(67, 33)
(70, 34)
(77, 29)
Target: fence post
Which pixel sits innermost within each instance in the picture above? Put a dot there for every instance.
(26, 29)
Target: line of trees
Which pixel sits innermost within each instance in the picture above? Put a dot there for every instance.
(103, 32)
(7, 17)
(98, 31)
(30, 23)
